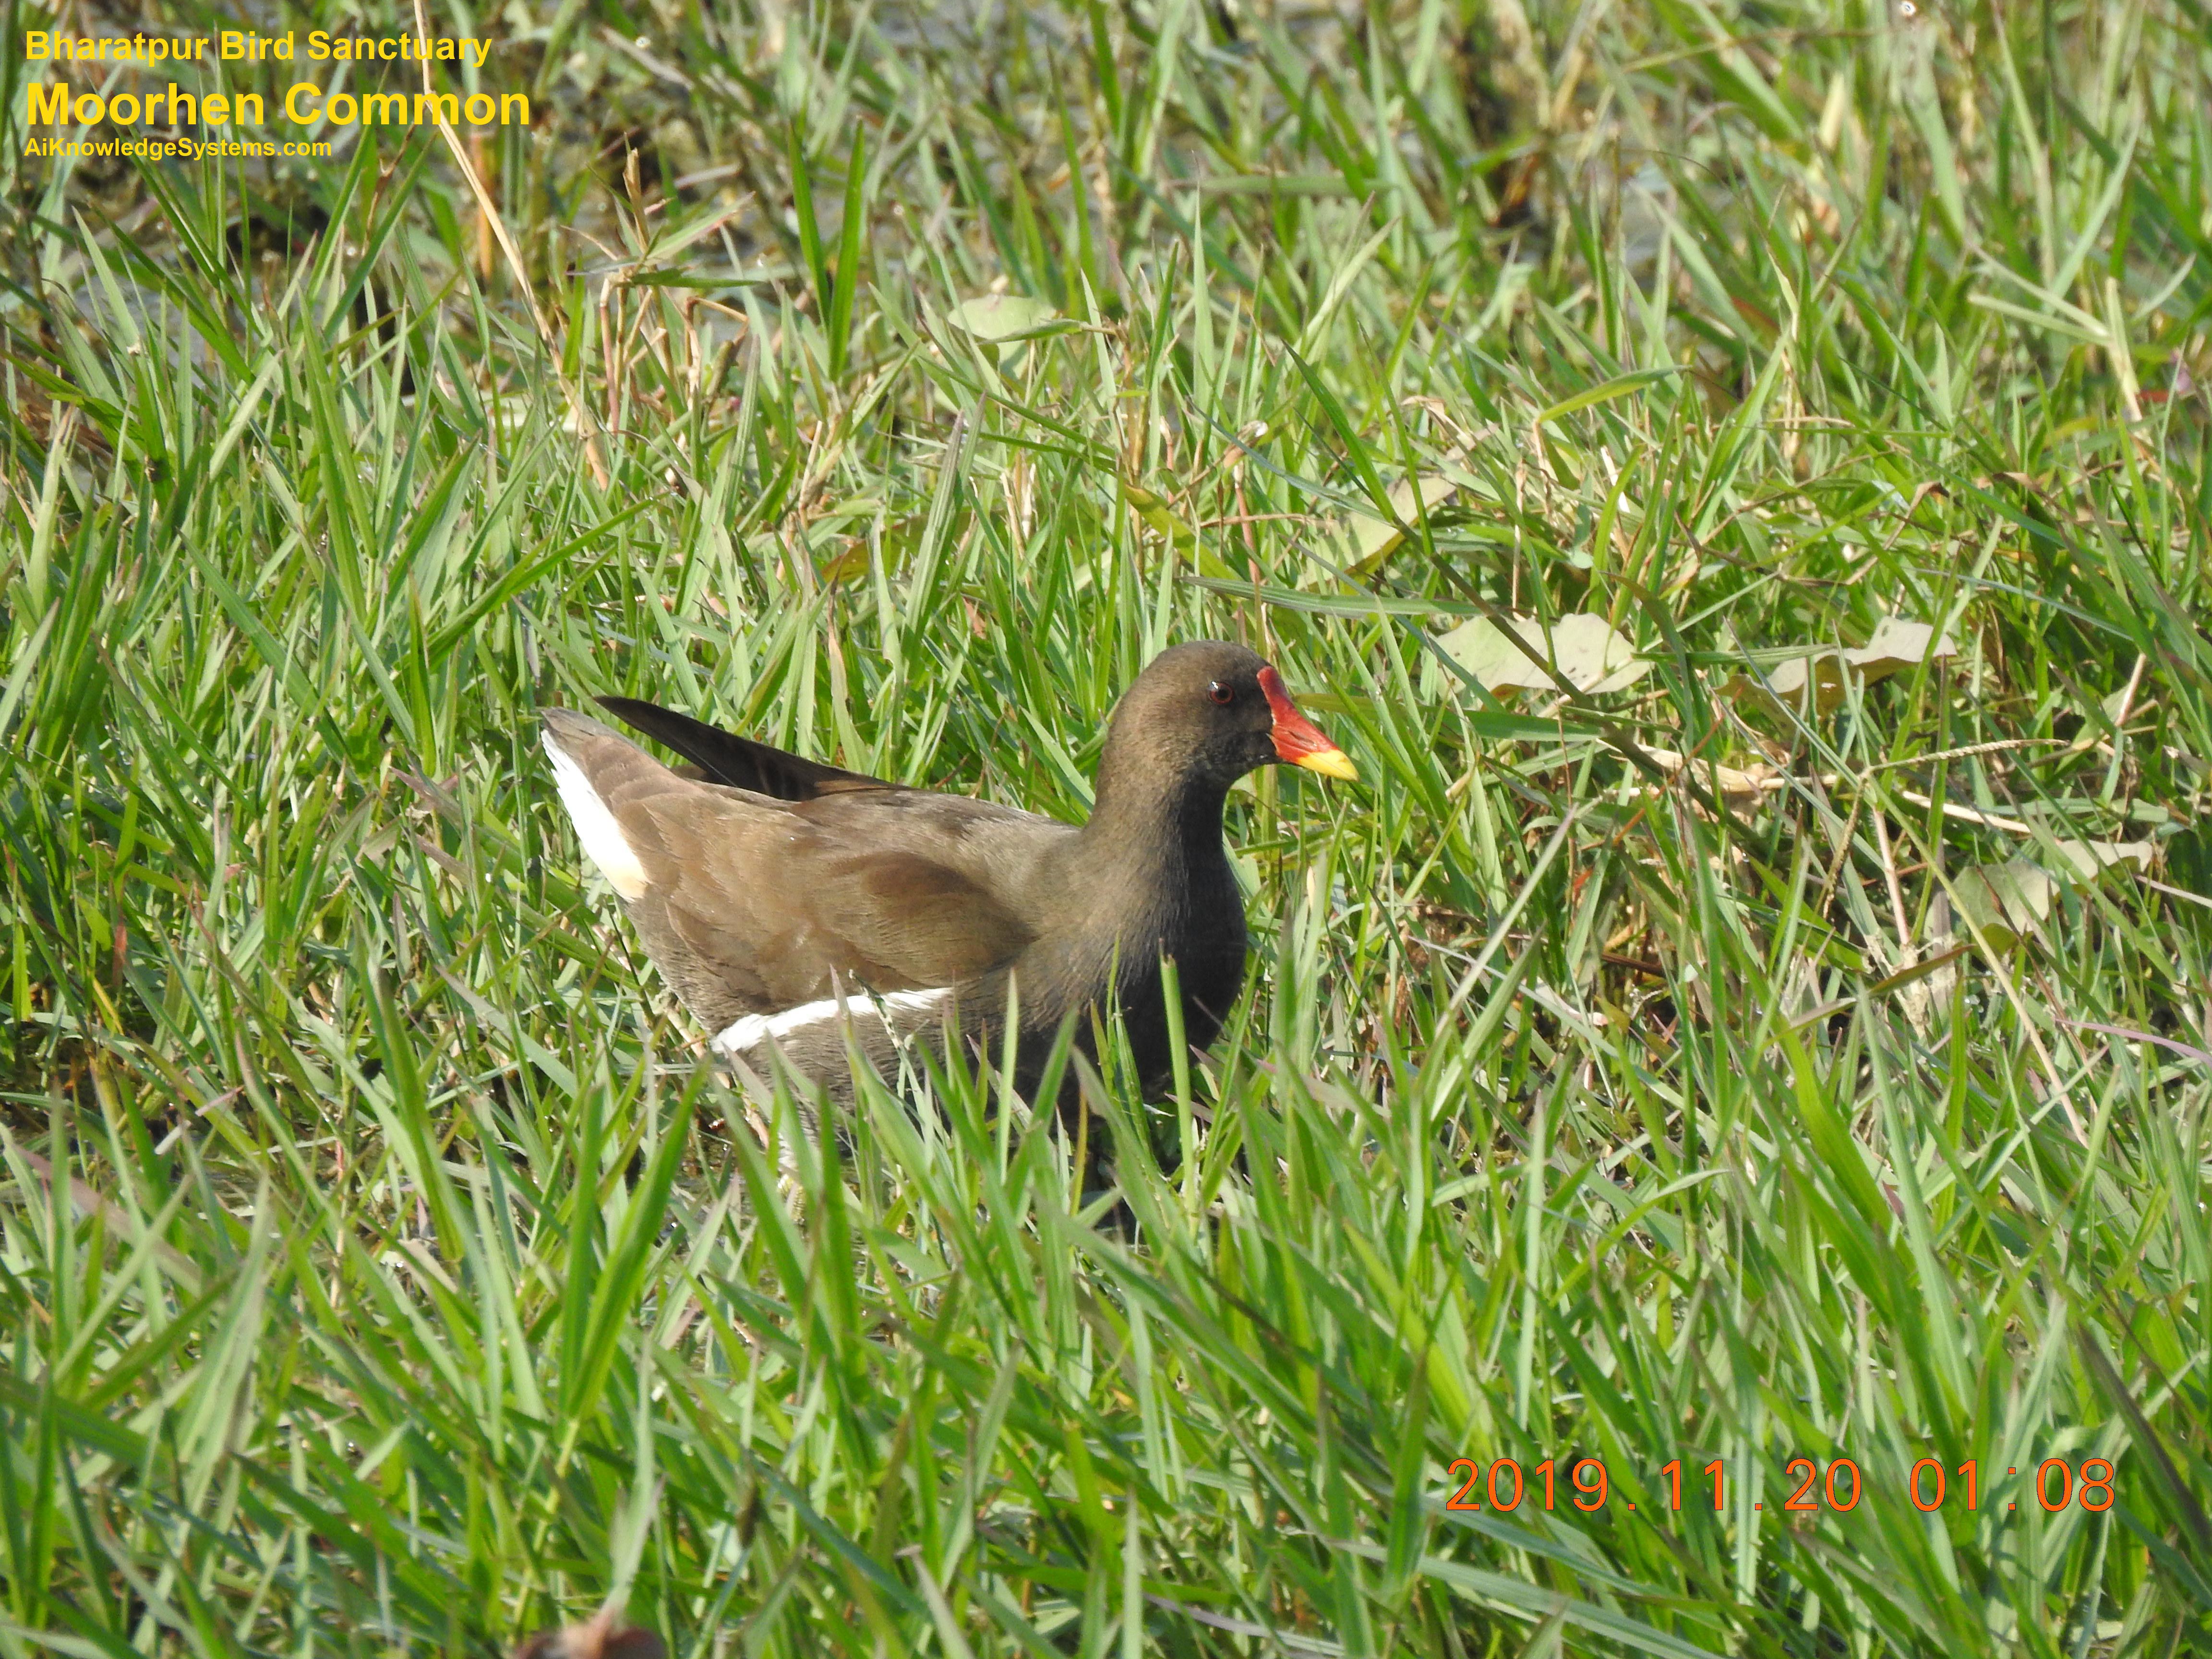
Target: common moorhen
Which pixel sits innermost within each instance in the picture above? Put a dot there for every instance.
(602, 1636)
(794, 903)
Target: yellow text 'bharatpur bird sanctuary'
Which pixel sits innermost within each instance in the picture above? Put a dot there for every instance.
(305, 103)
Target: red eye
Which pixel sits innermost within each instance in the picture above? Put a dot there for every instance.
(1221, 692)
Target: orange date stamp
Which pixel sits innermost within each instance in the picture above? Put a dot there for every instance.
(1837, 1487)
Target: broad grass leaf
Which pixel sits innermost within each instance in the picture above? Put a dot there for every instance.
(1331, 604)
(1618, 387)
(1584, 648)
(1155, 513)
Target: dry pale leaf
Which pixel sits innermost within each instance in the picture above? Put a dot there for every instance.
(1896, 645)
(1737, 785)
(1584, 648)
(1374, 539)
(2091, 858)
(2007, 901)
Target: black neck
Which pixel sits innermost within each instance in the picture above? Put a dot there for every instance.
(1156, 879)
(1150, 821)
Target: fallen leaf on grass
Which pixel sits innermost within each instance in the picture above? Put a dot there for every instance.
(2011, 900)
(2007, 901)
(1000, 317)
(846, 566)
(1737, 785)
(1896, 645)
(1587, 652)
(1373, 539)
(2091, 858)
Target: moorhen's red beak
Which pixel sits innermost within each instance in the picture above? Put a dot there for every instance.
(1298, 739)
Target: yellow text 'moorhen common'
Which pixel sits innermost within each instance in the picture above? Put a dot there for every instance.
(304, 103)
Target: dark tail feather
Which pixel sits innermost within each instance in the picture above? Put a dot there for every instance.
(727, 758)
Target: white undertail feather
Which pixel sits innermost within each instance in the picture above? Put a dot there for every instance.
(604, 844)
(749, 1033)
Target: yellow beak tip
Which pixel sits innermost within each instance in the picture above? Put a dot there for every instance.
(1331, 764)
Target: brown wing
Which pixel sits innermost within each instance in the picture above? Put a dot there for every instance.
(753, 905)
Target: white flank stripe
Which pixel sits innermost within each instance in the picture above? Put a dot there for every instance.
(748, 1034)
(602, 839)
(918, 1002)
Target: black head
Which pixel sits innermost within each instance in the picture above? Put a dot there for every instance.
(1204, 714)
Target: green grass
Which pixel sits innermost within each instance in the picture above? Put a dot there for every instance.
(381, 1268)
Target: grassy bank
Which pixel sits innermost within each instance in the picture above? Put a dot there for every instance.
(382, 1267)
